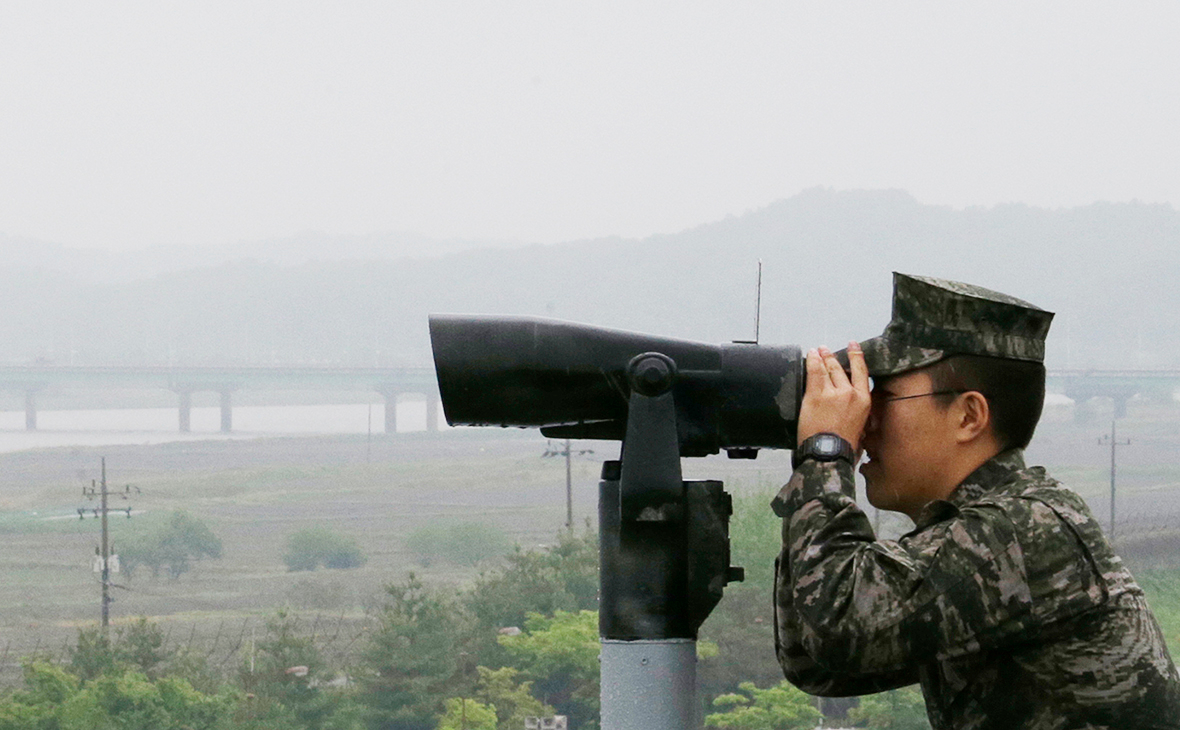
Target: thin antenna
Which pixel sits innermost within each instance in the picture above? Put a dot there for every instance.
(758, 304)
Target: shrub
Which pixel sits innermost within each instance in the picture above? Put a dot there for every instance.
(172, 546)
(459, 543)
(310, 548)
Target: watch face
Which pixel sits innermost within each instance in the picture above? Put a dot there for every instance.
(827, 445)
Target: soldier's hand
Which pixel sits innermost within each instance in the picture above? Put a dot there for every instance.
(833, 402)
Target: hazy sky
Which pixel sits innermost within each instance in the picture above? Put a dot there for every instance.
(129, 124)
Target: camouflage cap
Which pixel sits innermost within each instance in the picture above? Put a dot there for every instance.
(935, 318)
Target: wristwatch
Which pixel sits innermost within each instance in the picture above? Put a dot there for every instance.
(822, 447)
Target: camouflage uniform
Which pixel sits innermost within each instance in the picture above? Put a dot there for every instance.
(1005, 601)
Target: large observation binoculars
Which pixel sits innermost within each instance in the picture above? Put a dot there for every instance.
(575, 381)
(663, 541)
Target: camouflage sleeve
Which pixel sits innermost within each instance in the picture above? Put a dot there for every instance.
(803, 671)
(799, 667)
(862, 608)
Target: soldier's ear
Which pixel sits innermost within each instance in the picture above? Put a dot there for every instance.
(973, 417)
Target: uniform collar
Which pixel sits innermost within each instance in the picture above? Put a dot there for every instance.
(990, 474)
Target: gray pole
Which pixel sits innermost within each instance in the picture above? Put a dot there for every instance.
(1114, 442)
(106, 562)
(649, 684)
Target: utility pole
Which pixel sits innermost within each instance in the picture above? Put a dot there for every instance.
(101, 492)
(1114, 442)
(106, 556)
(569, 489)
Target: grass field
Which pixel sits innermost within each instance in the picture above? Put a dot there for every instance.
(253, 494)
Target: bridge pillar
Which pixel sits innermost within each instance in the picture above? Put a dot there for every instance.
(30, 410)
(391, 413)
(390, 397)
(1120, 404)
(432, 401)
(186, 410)
(227, 414)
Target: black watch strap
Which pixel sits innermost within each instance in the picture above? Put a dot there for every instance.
(822, 447)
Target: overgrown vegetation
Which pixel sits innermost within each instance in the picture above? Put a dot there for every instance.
(426, 662)
(520, 641)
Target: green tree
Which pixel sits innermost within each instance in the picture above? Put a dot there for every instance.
(559, 654)
(462, 713)
(309, 548)
(36, 707)
(512, 699)
(54, 699)
(782, 707)
(172, 546)
(460, 543)
(284, 668)
(283, 647)
(414, 657)
(130, 701)
(898, 709)
(93, 655)
(562, 577)
(138, 646)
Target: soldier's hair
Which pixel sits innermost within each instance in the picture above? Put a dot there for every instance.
(1014, 389)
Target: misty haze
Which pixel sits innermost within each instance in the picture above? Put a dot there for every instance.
(223, 230)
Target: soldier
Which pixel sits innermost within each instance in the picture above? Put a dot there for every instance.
(1005, 601)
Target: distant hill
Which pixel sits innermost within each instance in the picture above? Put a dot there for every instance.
(1108, 270)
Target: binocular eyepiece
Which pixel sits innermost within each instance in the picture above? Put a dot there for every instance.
(575, 381)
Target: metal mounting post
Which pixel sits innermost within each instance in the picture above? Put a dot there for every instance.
(664, 556)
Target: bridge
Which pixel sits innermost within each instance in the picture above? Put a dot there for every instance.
(1118, 385)
(184, 381)
(1080, 385)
